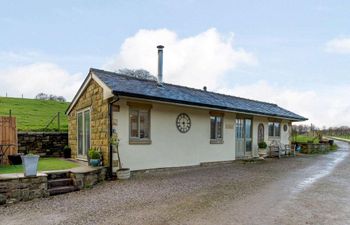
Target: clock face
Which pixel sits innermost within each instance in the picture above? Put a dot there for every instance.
(183, 122)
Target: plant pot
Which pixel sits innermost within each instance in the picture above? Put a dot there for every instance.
(30, 163)
(262, 153)
(123, 174)
(95, 162)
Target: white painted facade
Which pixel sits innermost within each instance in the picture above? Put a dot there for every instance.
(171, 148)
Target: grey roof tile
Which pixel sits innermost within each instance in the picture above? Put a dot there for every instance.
(134, 87)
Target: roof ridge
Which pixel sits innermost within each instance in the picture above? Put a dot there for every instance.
(177, 85)
(121, 74)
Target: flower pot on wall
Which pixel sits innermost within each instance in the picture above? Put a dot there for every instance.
(123, 174)
(30, 164)
(95, 162)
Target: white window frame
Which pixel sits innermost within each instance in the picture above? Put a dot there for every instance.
(217, 140)
(274, 129)
(82, 111)
(138, 140)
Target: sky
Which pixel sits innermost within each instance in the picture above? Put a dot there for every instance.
(292, 53)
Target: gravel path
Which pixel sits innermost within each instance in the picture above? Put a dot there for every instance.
(302, 190)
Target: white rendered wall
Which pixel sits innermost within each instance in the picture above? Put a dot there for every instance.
(169, 147)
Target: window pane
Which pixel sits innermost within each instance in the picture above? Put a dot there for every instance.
(248, 145)
(134, 123)
(80, 133)
(219, 127)
(248, 126)
(277, 129)
(212, 127)
(144, 124)
(271, 128)
(86, 131)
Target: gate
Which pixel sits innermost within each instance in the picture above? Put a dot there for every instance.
(8, 138)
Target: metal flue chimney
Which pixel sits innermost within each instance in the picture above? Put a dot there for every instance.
(160, 63)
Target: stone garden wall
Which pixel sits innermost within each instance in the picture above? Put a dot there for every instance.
(15, 188)
(42, 143)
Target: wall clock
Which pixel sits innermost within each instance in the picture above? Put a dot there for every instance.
(183, 122)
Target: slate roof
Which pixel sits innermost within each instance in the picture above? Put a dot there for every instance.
(124, 85)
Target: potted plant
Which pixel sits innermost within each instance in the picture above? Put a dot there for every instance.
(67, 152)
(122, 173)
(94, 157)
(30, 163)
(262, 149)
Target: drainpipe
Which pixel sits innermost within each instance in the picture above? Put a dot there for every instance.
(110, 113)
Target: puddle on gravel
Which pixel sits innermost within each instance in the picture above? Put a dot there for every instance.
(324, 170)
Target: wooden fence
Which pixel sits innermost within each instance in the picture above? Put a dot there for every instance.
(8, 136)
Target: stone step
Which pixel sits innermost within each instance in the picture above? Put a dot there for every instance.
(59, 182)
(61, 190)
(57, 175)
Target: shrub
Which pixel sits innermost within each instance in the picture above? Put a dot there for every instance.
(94, 154)
(262, 145)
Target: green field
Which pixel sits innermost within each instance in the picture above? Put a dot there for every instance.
(33, 114)
(305, 139)
(45, 164)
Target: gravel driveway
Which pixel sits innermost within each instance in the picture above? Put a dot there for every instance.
(303, 190)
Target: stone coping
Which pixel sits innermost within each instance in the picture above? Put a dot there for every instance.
(12, 176)
(80, 169)
(42, 132)
(86, 169)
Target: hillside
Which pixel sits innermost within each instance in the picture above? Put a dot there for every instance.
(33, 114)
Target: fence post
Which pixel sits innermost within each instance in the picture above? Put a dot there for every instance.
(10, 112)
(58, 120)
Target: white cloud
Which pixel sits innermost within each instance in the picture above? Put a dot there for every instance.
(193, 61)
(338, 45)
(31, 79)
(324, 107)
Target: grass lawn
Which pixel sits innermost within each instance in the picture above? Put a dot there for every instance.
(344, 136)
(305, 139)
(44, 165)
(33, 114)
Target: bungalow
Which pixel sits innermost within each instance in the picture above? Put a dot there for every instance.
(166, 125)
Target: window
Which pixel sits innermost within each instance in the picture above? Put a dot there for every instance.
(216, 129)
(139, 125)
(274, 129)
(83, 120)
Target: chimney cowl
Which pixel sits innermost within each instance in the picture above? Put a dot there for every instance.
(205, 88)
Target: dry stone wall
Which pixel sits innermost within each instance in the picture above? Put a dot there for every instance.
(41, 143)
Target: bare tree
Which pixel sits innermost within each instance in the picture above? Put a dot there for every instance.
(42, 96)
(139, 73)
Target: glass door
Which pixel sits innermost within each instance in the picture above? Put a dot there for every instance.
(243, 137)
(83, 122)
(240, 149)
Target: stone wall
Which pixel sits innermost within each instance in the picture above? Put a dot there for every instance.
(41, 142)
(311, 148)
(15, 188)
(91, 97)
(83, 178)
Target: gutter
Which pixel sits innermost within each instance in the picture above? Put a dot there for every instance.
(110, 150)
(119, 93)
